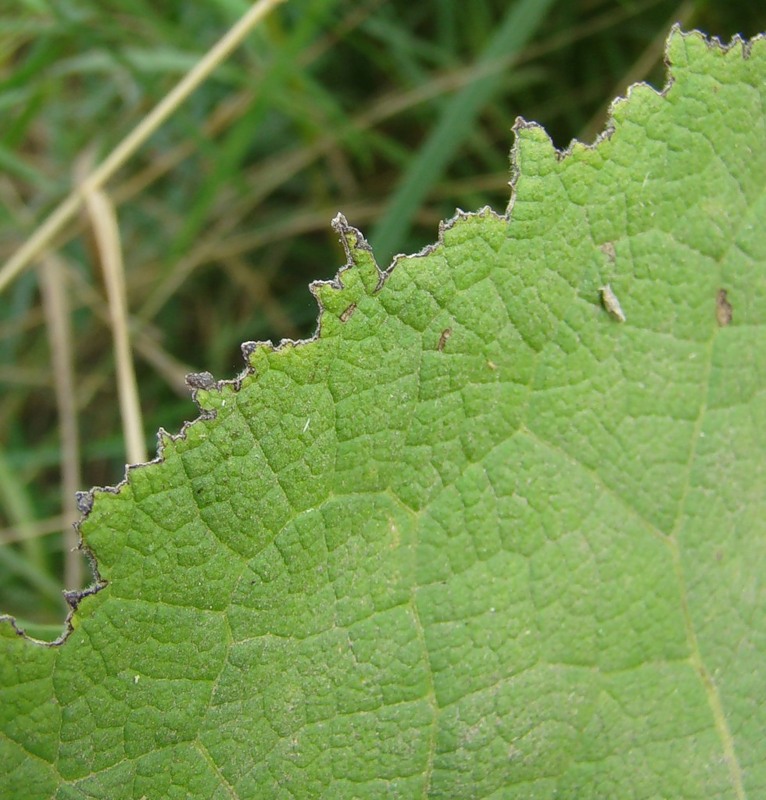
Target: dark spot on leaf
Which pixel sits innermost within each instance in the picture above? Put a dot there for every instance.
(446, 333)
(84, 502)
(723, 310)
(608, 250)
(72, 597)
(200, 380)
(248, 348)
(346, 315)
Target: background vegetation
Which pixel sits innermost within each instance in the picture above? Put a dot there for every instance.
(393, 112)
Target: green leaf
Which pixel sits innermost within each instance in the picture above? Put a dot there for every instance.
(481, 537)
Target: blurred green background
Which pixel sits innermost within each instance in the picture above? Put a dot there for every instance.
(395, 113)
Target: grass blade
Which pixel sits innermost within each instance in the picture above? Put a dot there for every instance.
(519, 26)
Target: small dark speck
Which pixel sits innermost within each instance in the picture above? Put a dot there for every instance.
(446, 333)
(200, 380)
(723, 310)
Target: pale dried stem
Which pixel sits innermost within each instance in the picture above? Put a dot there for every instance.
(107, 235)
(231, 109)
(58, 323)
(33, 530)
(41, 238)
